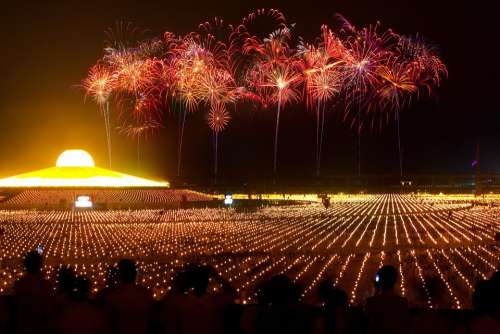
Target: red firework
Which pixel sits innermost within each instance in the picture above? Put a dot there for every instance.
(99, 84)
(375, 72)
(218, 117)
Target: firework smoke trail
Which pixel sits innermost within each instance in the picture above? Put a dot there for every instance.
(322, 71)
(190, 59)
(274, 75)
(322, 94)
(317, 138)
(359, 141)
(138, 153)
(284, 82)
(399, 146)
(99, 84)
(218, 119)
(108, 132)
(275, 167)
(216, 153)
(368, 48)
(321, 140)
(416, 65)
(181, 137)
(394, 93)
(139, 129)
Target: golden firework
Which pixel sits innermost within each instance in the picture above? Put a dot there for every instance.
(218, 117)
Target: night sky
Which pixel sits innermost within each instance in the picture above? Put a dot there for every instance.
(48, 48)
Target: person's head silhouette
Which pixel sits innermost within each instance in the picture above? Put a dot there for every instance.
(112, 276)
(436, 291)
(331, 295)
(81, 289)
(65, 279)
(127, 271)
(325, 288)
(198, 278)
(263, 293)
(387, 277)
(180, 282)
(483, 297)
(495, 286)
(282, 290)
(33, 262)
(495, 279)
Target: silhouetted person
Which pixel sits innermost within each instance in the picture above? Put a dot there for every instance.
(65, 284)
(387, 312)
(495, 285)
(190, 308)
(437, 292)
(5, 314)
(128, 305)
(33, 297)
(112, 281)
(485, 301)
(495, 280)
(482, 298)
(283, 313)
(169, 313)
(333, 317)
(249, 318)
(80, 316)
(431, 320)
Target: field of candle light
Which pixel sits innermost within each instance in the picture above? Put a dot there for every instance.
(442, 244)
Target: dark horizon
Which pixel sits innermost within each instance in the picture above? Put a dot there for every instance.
(49, 48)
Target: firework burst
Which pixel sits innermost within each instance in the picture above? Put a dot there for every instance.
(322, 71)
(140, 131)
(218, 117)
(365, 50)
(372, 71)
(396, 86)
(421, 56)
(99, 85)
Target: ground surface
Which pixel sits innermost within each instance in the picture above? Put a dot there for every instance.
(442, 245)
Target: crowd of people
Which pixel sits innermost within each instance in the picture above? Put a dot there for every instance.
(202, 301)
(115, 198)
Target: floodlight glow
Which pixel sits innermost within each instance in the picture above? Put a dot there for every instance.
(75, 168)
(75, 158)
(228, 200)
(83, 202)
